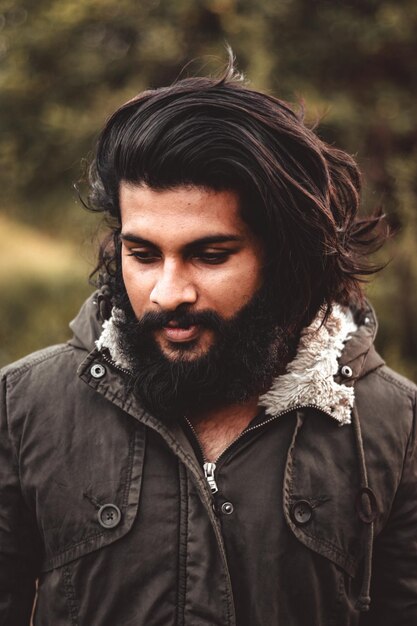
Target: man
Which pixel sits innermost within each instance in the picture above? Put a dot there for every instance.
(219, 443)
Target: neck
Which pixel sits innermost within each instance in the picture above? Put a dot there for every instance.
(217, 428)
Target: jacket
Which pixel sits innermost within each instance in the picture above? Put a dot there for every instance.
(107, 517)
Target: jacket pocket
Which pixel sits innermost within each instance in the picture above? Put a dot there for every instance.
(93, 500)
(320, 488)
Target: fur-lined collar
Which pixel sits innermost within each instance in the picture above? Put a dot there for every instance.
(109, 339)
(309, 379)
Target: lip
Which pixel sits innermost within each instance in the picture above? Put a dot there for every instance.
(178, 335)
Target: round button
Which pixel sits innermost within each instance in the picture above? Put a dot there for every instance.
(109, 515)
(301, 512)
(97, 370)
(227, 508)
(346, 371)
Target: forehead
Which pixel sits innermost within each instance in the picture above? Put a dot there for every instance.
(181, 212)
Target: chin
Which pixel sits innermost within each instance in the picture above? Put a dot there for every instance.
(186, 351)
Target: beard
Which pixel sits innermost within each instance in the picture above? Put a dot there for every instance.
(247, 352)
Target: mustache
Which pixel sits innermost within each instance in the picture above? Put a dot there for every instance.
(156, 320)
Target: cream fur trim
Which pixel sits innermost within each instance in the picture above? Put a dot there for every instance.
(109, 339)
(309, 379)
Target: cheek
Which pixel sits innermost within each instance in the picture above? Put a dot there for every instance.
(236, 288)
(135, 285)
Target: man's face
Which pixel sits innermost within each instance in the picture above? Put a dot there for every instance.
(187, 249)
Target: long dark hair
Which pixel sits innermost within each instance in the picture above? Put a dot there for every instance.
(300, 195)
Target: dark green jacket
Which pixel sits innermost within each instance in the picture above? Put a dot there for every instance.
(110, 510)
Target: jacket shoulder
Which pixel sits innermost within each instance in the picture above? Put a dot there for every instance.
(396, 380)
(41, 387)
(386, 403)
(41, 358)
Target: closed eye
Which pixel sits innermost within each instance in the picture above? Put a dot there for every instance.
(144, 256)
(213, 258)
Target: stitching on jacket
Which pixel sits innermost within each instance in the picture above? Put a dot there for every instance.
(13, 447)
(331, 548)
(167, 436)
(182, 544)
(289, 495)
(288, 471)
(394, 381)
(144, 419)
(336, 614)
(71, 546)
(70, 594)
(129, 470)
(11, 372)
(409, 447)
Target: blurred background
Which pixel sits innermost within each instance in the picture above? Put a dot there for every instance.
(65, 65)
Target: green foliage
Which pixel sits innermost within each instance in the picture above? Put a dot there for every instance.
(37, 313)
(67, 64)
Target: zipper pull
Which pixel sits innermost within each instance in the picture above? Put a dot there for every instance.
(209, 474)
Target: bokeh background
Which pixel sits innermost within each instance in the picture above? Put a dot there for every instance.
(65, 65)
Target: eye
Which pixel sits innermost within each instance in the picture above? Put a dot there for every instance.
(144, 256)
(214, 258)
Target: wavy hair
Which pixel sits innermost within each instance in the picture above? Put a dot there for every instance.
(297, 193)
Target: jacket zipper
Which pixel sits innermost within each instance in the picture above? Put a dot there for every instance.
(209, 474)
(209, 468)
(118, 367)
(232, 620)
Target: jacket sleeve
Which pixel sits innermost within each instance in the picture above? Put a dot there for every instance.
(394, 572)
(19, 546)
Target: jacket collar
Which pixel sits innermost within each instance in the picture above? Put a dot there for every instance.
(312, 378)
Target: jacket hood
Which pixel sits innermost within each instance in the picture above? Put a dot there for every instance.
(87, 326)
(330, 357)
(310, 377)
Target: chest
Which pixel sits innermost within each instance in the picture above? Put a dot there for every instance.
(215, 437)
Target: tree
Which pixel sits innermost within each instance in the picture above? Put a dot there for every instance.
(67, 64)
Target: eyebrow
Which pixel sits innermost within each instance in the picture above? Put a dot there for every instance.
(201, 241)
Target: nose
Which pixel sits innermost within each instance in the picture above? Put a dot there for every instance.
(173, 287)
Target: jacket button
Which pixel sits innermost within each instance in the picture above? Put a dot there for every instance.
(97, 370)
(227, 508)
(301, 512)
(109, 515)
(346, 371)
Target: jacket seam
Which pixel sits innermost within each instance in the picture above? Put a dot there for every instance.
(129, 469)
(338, 605)
(113, 396)
(329, 547)
(410, 438)
(124, 505)
(75, 545)
(70, 595)
(182, 545)
(228, 609)
(394, 381)
(11, 372)
(8, 426)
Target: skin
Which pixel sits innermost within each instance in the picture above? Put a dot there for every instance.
(173, 267)
(167, 262)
